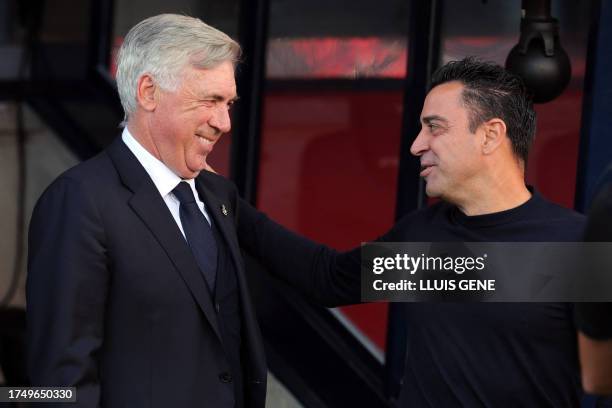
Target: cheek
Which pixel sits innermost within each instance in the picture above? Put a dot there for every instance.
(466, 163)
(449, 166)
(190, 147)
(178, 130)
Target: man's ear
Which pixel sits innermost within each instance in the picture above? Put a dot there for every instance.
(494, 135)
(146, 93)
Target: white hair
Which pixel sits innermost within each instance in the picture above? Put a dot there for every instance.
(162, 46)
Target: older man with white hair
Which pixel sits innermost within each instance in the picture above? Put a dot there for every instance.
(136, 287)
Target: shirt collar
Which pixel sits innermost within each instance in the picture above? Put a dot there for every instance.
(164, 179)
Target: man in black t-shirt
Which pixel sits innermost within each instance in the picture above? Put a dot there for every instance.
(594, 320)
(478, 123)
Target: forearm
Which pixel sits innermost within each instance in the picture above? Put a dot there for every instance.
(596, 365)
(319, 272)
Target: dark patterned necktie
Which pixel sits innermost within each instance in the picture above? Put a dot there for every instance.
(198, 232)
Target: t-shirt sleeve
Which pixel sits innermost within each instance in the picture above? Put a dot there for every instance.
(594, 319)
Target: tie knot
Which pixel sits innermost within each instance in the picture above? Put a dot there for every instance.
(184, 193)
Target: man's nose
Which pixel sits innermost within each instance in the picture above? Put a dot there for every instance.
(221, 120)
(420, 144)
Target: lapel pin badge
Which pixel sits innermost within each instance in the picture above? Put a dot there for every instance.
(224, 209)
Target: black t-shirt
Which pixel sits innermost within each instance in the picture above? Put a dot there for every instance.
(490, 354)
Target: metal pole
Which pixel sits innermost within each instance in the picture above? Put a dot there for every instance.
(423, 55)
(253, 36)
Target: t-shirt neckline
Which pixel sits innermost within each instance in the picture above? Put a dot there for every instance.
(497, 218)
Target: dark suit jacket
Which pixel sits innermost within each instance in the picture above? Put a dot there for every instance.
(116, 304)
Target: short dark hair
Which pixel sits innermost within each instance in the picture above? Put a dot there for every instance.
(490, 91)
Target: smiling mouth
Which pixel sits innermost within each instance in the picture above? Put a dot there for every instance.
(206, 140)
(426, 169)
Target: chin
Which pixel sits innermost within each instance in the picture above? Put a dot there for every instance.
(195, 168)
(188, 173)
(432, 192)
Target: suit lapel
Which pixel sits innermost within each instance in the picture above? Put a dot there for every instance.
(152, 210)
(256, 369)
(224, 222)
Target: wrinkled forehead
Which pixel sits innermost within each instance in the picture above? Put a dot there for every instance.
(219, 80)
(223, 70)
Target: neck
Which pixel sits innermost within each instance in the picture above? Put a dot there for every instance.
(141, 133)
(499, 192)
(488, 203)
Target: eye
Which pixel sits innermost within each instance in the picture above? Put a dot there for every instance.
(435, 128)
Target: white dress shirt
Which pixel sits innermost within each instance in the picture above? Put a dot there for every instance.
(164, 179)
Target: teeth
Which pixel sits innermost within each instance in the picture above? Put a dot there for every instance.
(204, 140)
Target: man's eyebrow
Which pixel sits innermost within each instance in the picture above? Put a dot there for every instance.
(220, 98)
(428, 119)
